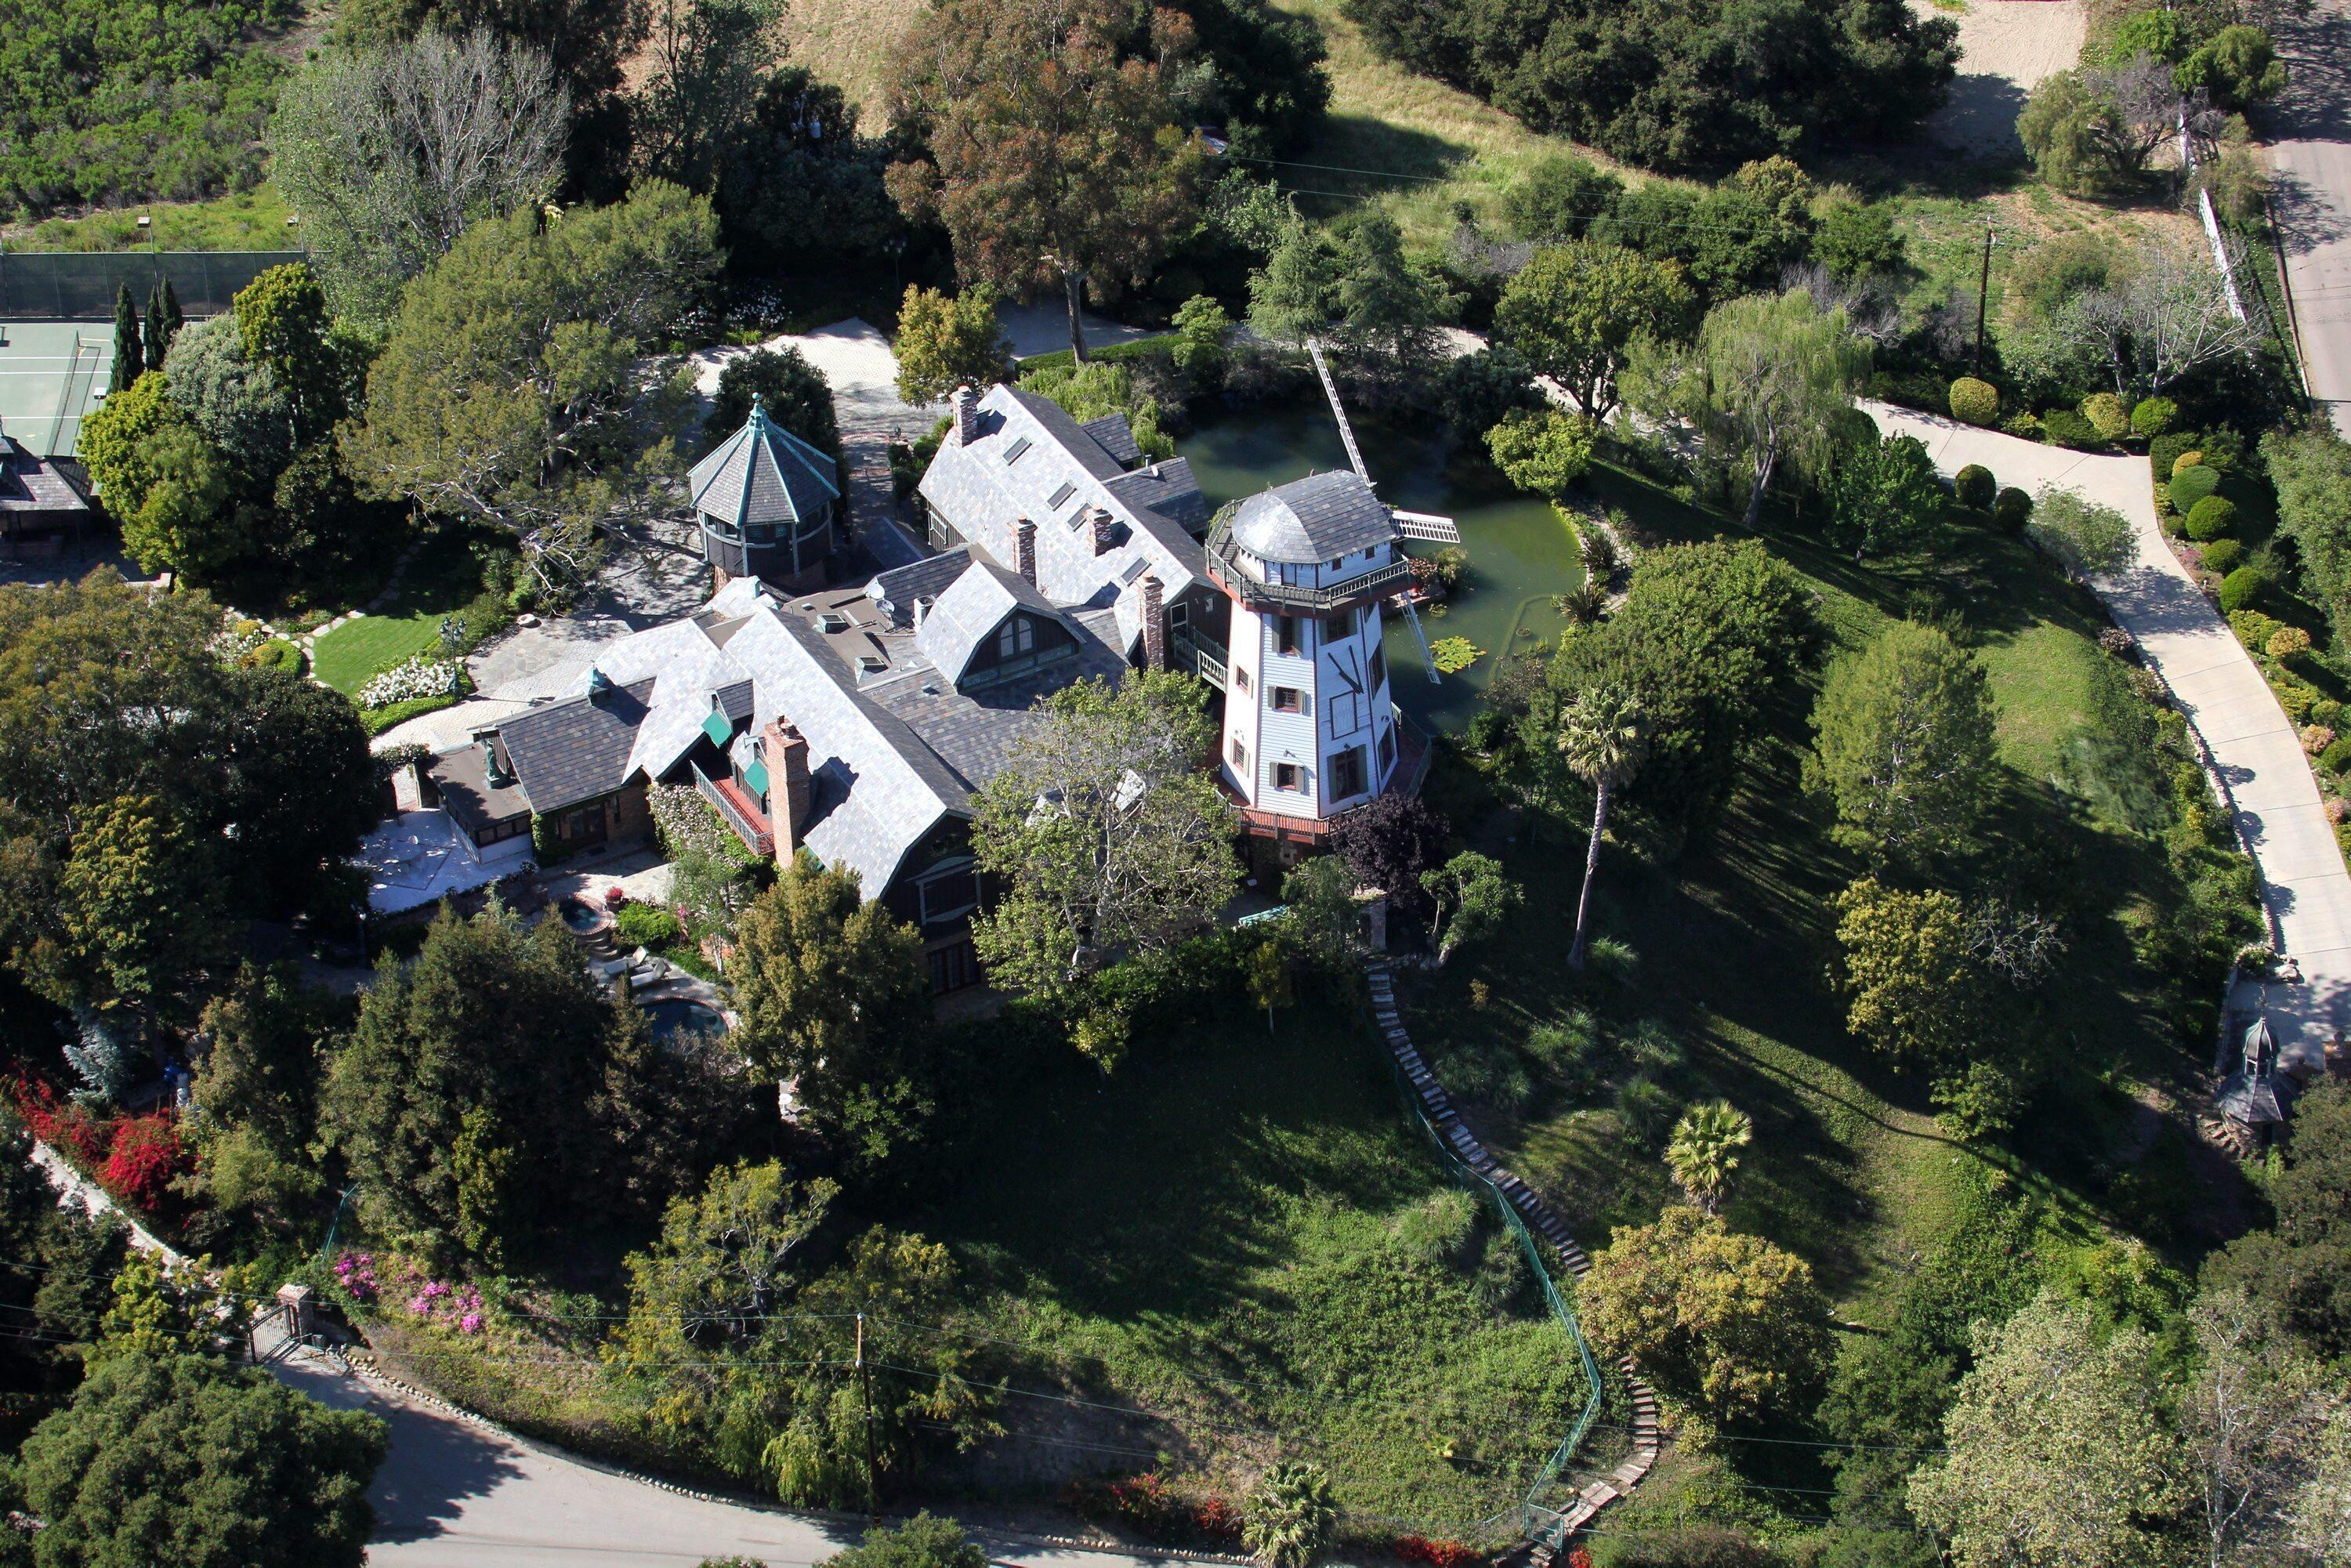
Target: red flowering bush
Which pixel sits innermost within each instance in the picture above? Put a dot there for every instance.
(1215, 1518)
(1440, 1553)
(1147, 1504)
(145, 1158)
(64, 1125)
(1577, 1557)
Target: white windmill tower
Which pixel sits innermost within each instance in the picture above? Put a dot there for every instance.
(1309, 730)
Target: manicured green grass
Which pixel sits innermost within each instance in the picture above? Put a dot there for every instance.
(248, 220)
(1242, 1235)
(440, 582)
(1736, 937)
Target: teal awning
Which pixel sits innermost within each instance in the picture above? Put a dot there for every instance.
(718, 727)
(754, 780)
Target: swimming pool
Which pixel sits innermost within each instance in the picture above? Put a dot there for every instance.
(676, 1018)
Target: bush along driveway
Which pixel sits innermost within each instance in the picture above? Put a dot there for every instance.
(2250, 747)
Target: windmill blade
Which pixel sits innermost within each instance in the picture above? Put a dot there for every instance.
(1426, 526)
(1331, 390)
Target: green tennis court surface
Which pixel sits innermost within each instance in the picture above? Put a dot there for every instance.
(52, 374)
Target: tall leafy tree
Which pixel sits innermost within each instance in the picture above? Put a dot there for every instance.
(1904, 743)
(139, 904)
(390, 149)
(793, 392)
(835, 1000)
(130, 350)
(706, 59)
(2301, 1268)
(155, 334)
(1908, 972)
(1105, 833)
(1764, 383)
(1883, 496)
(1389, 843)
(1601, 736)
(1050, 158)
(512, 388)
(186, 1460)
(1352, 286)
(1575, 310)
(1727, 1325)
(945, 341)
(1471, 898)
(2058, 1453)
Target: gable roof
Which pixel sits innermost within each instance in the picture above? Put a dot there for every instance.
(970, 610)
(763, 474)
(1320, 518)
(896, 591)
(985, 497)
(576, 749)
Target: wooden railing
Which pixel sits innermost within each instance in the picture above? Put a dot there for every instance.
(739, 811)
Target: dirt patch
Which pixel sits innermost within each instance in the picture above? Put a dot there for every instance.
(2005, 47)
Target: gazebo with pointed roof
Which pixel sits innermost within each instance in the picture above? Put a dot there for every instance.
(766, 501)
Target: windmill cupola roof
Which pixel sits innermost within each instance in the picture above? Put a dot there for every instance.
(1321, 517)
(764, 474)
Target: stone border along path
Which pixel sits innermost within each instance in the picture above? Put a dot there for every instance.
(2255, 759)
(1538, 1215)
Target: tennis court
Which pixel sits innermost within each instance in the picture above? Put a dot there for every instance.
(52, 373)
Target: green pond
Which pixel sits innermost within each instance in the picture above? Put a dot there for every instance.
(1520, 553)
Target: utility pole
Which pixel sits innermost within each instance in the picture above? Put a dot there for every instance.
(1983, 294)
(865, 1398)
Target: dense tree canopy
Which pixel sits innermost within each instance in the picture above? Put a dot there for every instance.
(1049, 158)
(511, 388)
(1575, 308)
(1904, 742)
(1682, 84)
(189, 1461)
(2301, 1267)
(793, 392)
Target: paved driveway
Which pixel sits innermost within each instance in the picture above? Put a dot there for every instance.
(2260, 758)
(2310, 152)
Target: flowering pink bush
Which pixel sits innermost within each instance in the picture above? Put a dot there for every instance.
(437, 1301)
(355, 1272)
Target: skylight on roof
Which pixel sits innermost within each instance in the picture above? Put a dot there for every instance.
(1056, 500)
(1134, 569)
(1019, 448)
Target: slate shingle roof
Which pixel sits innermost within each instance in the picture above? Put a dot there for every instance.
(1318, 519)
(985, 497)
(970, 610)
(576, 749)
(764, 474)
(1114, 435)
(896, 590)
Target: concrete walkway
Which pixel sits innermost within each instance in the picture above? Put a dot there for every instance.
(2262, 772)
(2309, 132)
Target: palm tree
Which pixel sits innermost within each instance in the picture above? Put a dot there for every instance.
(1601, 738)
(1705, 1151)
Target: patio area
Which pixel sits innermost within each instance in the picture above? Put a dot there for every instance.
(417, 858)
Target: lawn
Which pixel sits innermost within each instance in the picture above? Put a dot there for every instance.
(1734, 940)
(442, 580)
(246, 220)
(1242, 1235)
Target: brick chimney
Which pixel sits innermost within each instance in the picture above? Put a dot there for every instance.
(1024, 546)
(1105, 527)
(967, 415)
(785, 751)
(1155, 625)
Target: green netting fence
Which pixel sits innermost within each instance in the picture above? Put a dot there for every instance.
(1540, 1518)
(80, 285)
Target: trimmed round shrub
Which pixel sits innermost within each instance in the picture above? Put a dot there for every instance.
(2337, 757)
(2192, 458)
(2211, 518)
(2025, 426)
(2192, 484)
(2243, 588)
(2153, 416)
(2011, 509)
(1975, 401)
(1974, 485)
(2106, 415)
(2224, 555)
(2289, 642)
(2066, 428)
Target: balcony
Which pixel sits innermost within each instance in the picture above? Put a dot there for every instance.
(1194, 654)
(1226, 571)
(741, 811)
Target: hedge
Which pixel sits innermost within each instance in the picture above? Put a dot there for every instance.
(2107, 416)
(2243, 588)
(1141, 347)
(2066, 428)
(2224, 555)
(380, 719)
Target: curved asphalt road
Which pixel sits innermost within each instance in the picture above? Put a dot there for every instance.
(457, 1494)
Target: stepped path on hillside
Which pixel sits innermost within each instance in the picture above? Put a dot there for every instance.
(2253, 752)
(1436, 1107)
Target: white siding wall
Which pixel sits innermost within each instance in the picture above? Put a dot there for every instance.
(1336, 715)
(1246, 646)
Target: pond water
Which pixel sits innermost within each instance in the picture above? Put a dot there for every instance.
(1520, 554)
(581, 917)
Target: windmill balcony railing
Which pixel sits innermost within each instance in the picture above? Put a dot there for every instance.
(1227, 571)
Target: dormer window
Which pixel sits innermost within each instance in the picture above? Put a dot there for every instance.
(833, 623)
(1017, 636)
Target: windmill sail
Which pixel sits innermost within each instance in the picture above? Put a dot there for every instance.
(1338, 411)
(1426, 526)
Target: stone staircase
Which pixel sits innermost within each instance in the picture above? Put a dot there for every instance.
(1543, 1222)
